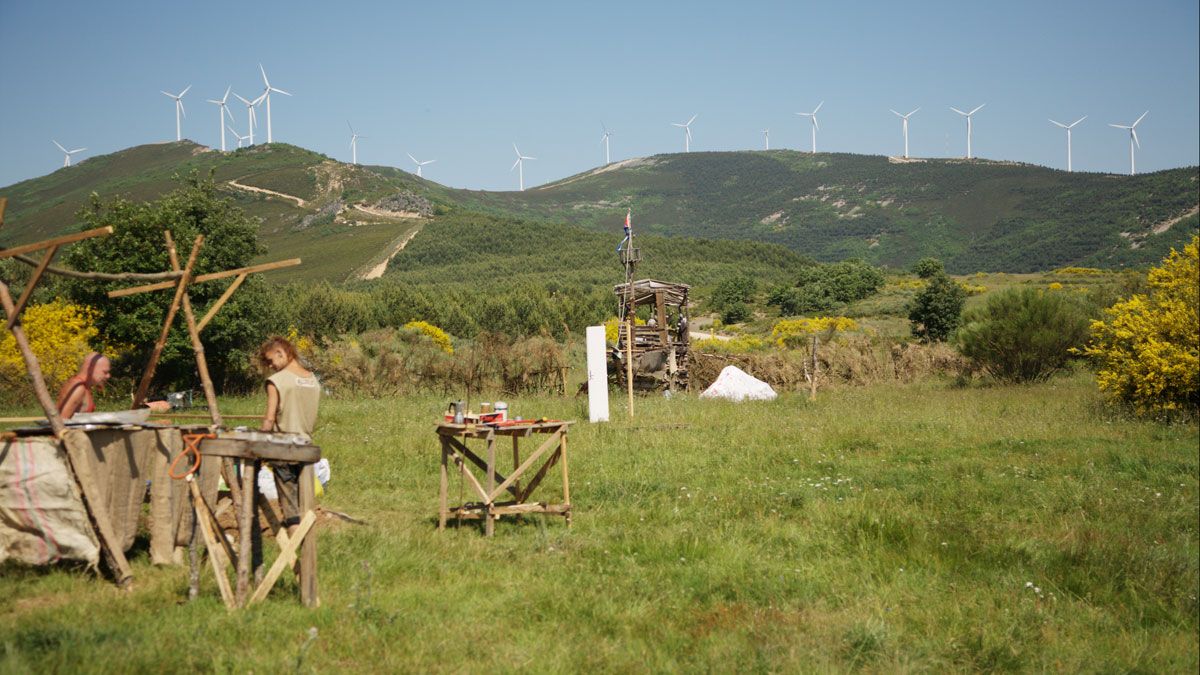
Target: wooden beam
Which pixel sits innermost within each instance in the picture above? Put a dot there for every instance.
(33, 282)
(56, 241)
(201, 278)
(100, 276)
(309, 596)
(287, 556)
(476, 460)
(242, 449)
(215, 554)
(546, 445)
(180, 289)
(216, 306)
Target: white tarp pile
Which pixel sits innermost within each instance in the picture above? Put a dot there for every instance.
(736, 385)
(266, 479)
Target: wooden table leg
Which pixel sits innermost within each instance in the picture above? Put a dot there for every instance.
(245, 520)
(308, 550)
(516, 462)
(445, 484)
(489, 527)
(562, 449)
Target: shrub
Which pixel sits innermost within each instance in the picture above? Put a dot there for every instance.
(1148, 351)
(738, 289)
(795, 332)
(935, 312)
(60, 335)
(928, 268)
(739, 344)
(1024, 334)
(845, 281)
(735, 313)
(810, 299)
(439, 336)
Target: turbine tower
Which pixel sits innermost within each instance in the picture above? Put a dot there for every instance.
(687, 132)
(904, 124)
(353, 144)
(430, 161)
(520, 164)
(267, 89)
(178, 110)
(607, 133)
(968, 116)
(251, 117)
(766, 139)
(223, 111)
(1068, 128)
(813, 116)
(67, 153)
(1133, 140)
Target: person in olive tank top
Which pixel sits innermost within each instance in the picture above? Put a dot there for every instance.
(293, 395)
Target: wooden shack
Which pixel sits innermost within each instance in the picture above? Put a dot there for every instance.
(660, 345)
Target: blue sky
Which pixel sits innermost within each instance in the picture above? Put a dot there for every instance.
(459, 82)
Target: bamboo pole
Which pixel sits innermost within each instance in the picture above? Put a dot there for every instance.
(180, 290)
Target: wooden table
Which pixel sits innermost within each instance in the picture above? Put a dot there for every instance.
(455, 439)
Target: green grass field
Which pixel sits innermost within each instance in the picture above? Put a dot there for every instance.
(891, 528)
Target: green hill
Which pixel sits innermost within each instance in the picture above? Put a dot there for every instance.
(348, 220)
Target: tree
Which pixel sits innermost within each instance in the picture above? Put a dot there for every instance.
(132, 324)
(928, 268)
(1023, 334)
(936, 310)
(1148, 351)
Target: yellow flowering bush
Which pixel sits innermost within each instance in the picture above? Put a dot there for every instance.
(613, 328)
(1055, 286)
(59, 334)
(795, 332)
(440, 337)
(1079, 271)
(740, 344)
(1148, 349)
(973, 289)
(303, 343)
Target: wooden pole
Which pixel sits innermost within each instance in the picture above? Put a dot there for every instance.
(210, 392)
(562, 449)
(56, 241)
(32, 368)
(245, 542)
(308, 550)
(812, 384)
(216, 306)
(144, 386)
(33, 282)
(444, 484)
(489, 527)
(100, 276)
(629, 359)
(212, 276)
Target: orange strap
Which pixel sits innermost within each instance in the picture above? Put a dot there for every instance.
(191, 446)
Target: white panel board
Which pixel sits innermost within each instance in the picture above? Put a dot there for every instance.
(597, 371)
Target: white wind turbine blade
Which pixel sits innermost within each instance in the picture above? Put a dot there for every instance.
(280, 91)
(1078, 121)
(179, 104)
(60, 147)
(260, 99)
(266, 82)
(818, 108)
(185, 91)
(71, 152)
(226, 96)
(514, 166)
(1141, 118)
(896, 113)
(689, 122)
(815, 125)
(167, 93)
(1133, 132)
(414, 159)
(529, 158)
(1061, 124)
(428, 161)
(958, 111)
(914, 112)
(239, 97)
(1120, 126)
(977, 109)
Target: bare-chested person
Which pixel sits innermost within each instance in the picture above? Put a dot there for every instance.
(76, 393)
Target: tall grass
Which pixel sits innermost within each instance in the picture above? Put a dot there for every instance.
(897, 527)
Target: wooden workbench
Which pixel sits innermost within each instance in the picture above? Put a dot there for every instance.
(455, 439)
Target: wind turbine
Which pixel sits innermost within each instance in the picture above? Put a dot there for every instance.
(687, 132)
(968, 116)
(224, 110)
(766, 139)
(238, 136)
(904, 123)
(251, 117)
(520, 163)
(604, 138)
(813, 115)
(67, 153)
(1068, 128)
(353, 144)
(267, 89)
(1133, 140)
(178, 110)
(431, 161)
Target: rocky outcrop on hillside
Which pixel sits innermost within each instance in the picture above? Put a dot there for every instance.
(406, 202)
